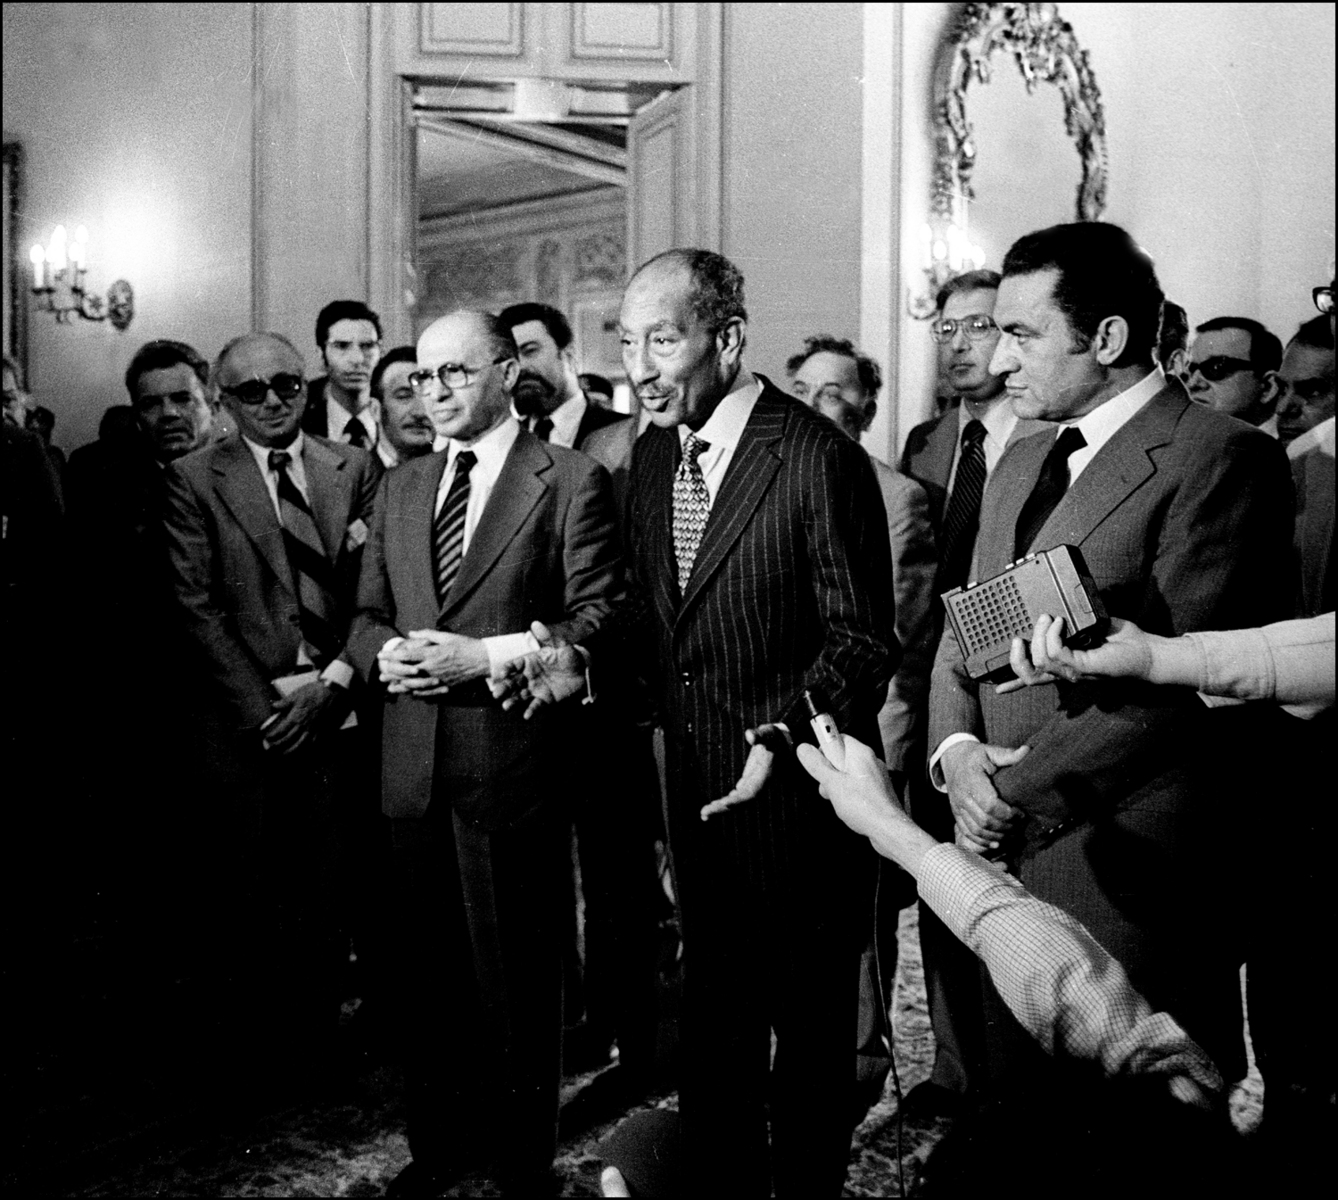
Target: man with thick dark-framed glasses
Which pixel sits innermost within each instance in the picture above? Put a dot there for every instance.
(953, 456)
(1233, 367)
(265, 534)
(474, 551)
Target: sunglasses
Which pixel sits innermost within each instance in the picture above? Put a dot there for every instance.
(1218, 368)
(254, 391)
(975, 328)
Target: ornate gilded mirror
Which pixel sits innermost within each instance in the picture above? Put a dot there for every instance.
(1011, 167)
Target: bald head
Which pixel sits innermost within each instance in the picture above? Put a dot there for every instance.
(471, 358)
(258, 377)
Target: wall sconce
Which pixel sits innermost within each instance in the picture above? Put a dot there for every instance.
(61, 258)
(945, 252)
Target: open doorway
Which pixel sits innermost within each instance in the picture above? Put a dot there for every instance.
(520, 194)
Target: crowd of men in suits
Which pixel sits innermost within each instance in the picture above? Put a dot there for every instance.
(415, 620)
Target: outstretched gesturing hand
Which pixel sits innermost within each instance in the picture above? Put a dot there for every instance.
(548, 675)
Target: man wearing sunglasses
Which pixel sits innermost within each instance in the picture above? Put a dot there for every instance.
(1233, 367)
(264, 534)
(474, 550)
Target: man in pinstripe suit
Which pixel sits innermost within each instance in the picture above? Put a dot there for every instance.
(760, 564)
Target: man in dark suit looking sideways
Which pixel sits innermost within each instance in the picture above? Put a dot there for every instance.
(1182, 516)
(760, 565)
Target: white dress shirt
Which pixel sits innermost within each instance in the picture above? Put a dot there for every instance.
(337, 418)
(338, 672)
(491, 449)
(566, 420)
(1097, 428)
(722, 431)
(999, 420)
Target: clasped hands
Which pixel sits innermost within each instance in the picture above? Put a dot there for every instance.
(302, 715)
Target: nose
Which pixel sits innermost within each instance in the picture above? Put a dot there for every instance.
(1289, 403)
(640, 366)
(959, 340)
(1003, 361)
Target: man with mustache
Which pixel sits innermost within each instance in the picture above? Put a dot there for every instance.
(406, 425)
(760, 568)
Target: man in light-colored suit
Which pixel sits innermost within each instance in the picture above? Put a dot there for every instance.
(1098, 794)
(760, 564)
(470, 548)
(265, 533)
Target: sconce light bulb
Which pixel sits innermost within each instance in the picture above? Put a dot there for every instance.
(940, 250)
(37, 255)
(81, 235)
(58, 237)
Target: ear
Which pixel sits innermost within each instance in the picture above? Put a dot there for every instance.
(510, 373)
(730, 341)
(1111, 341)
(1272, 391)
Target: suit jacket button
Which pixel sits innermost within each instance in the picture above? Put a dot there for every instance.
(686, 678)
(294, 619)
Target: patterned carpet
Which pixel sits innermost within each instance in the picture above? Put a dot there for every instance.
(346, 1138)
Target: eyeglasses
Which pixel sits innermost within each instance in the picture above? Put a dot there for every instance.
(452, 375)
(1218, 368)
(1323, 297)
(975, 327)
(254, 391)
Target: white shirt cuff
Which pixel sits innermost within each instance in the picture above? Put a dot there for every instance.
(338, 673)
(507, 646)
(935, 766)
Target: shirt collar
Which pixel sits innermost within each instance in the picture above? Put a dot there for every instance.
(262, 453)
(566, 419)
(724, 427)
(999, 420)
(1101, 424)
(491, 449)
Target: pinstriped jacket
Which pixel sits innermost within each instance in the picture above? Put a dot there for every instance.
(790, 590)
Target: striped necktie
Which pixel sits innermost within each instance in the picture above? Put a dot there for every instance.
(962, 520)
(692, 507)
(313, 574)
(448, 531)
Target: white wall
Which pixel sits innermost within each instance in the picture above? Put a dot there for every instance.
(135, 121)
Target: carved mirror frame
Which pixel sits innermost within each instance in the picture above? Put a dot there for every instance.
(1046, 50)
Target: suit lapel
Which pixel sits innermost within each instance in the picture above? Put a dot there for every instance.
(750, 473)
(1119, 468)
(1006, 492)
(327, 488)
(409, 520)
(940, 447)
(657, 454)
(518, 489)
(242, 489)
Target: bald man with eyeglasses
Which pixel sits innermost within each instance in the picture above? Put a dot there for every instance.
(265, 534)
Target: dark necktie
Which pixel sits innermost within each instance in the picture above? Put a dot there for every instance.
(692, 506)
(448, 531)
(543, 429)
(1049, 490)
(355, 433)
(313, 575)
(963, 516)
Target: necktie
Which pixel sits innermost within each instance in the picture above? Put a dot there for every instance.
(963, 515)
(313, 575)
(543, 429)
(692, 506)
(1049, 490)
(448, 531)
(355, 433)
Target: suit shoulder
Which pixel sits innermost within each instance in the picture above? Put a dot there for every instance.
(1205, 433)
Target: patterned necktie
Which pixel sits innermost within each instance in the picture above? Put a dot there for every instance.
(355, 433)
(543, 429)
(313, 575)
(692, 506)
(448, 531)
(963, 517)
(1050, 487)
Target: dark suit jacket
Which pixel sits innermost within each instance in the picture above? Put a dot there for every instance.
(596, 417)
(545, 550)
(790, 590)
(231, 571)
(1183, 518)
(314, 417)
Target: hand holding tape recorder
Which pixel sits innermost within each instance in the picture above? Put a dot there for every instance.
(986, 617)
